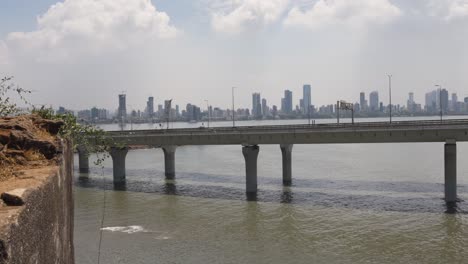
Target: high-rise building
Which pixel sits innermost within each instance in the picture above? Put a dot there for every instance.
(256, 105)
(274, 111)
(433, 101)
(193, 113)
(265, 110)
(150, 107)
(374, 101)
(454, 102)
(167, 109)
(362, 101)
(410, 104)
(306, 98)
(411, 98)
(288, 102)
(122, 111)
(94, 113)
(444, 100)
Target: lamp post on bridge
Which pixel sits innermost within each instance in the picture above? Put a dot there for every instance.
(233, 118)
(131, 117)
(337, 112)
(208, 110)
(440, 100)
(390, 95)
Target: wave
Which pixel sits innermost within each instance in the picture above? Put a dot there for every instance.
(126, 229)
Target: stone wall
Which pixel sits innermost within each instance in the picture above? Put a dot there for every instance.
(41, 230)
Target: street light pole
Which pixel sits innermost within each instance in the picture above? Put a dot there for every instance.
(440, 100)
(233, 118)
(208, 109)
(337, 112)
(390, 94)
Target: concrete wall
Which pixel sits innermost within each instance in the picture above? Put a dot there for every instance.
(41, 230)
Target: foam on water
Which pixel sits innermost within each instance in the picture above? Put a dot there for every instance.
(126, 229)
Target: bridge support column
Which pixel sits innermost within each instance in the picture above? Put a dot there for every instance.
(250, 155)
(83, 159)
(286, 150)
(169, 161)
(118, 161)
(450, 171)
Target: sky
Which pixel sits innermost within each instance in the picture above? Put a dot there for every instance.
(83, 53)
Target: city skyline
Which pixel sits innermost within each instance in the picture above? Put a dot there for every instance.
(297, 95)
(197, 50)
(437, 102)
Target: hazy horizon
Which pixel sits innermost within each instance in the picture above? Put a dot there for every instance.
(82, 53)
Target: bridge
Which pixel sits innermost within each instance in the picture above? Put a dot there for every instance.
(448, 132)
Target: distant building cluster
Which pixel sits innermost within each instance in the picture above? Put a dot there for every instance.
(436, 102)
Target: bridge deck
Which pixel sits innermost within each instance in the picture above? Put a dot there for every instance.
(371, 132)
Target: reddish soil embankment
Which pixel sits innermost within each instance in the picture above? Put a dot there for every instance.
(27, 142)
(36, 197)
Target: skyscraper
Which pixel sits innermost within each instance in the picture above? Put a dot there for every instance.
(410, 104)
(256, 105)
(454, 102)
(411, 98)
(265, 110)
(306, 98)
(122, 111)
(444, 99)
(433, 101)
(288, 105)
(374, 101)
(94, 113)
(150, 107)
(362, 101)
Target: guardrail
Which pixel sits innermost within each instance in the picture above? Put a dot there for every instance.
(423, 124)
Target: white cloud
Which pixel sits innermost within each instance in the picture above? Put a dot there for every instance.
(238, 15)
(448, 9)
(458, 9)
(353, 13)
(75, 26)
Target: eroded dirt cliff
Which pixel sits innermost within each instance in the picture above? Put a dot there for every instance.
(26, 142)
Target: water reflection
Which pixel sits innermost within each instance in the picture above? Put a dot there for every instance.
(170, 188)
(323, 197)
(119, 186)
(251, 197)
(335, 184)
(286, 196)
(452, 239)
(452, 207)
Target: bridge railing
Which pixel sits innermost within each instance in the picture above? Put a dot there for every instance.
(423, 124)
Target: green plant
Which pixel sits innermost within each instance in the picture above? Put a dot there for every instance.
(89, 138)
(8, 89)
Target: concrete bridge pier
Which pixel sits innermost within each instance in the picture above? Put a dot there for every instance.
(250, 155)
(118, 162)
(450, 171)
(286, 150)
(83, 159)
(169, 161)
